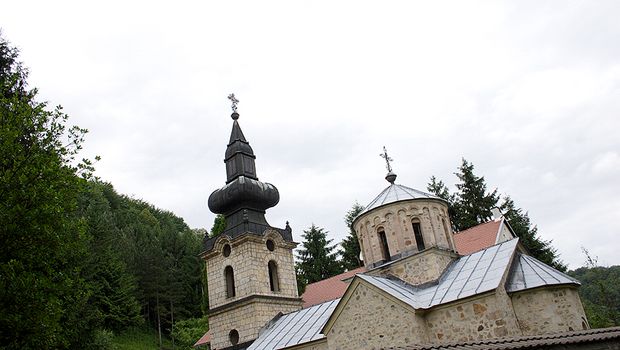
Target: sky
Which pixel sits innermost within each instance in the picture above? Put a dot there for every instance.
(528, 91)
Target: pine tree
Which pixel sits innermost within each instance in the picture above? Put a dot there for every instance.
(472, 204)
(317, 259)
(113, 286)
(350, 254)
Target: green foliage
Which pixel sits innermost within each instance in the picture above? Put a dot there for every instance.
(219, 224)
(600, 294)
(520, 223)
(317, 259)
(139, 338)
(472, 205)
(350, 254)
(114, 288)
(43, 295)
(103, 340)
(187, 332)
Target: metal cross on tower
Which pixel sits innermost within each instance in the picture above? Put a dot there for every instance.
(387, 158)
(234, 101)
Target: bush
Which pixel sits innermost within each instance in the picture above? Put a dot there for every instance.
(187, 332)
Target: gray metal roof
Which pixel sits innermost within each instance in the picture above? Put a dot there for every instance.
(295, 328)
(527, 272)
(469, 275)
(394, 193)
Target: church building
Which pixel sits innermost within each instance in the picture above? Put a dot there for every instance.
(418, 288)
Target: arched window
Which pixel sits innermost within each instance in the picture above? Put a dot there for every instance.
(385, 249)
(446, 231)
(233, 336)
(229, 275)
(417, 232)
(274, 284)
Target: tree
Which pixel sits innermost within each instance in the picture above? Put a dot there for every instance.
(350, 254)
(113, 286)
(43, 295)
(472, 205)
(219, 224)
(519, 221)
(317, 259)
(600, 294)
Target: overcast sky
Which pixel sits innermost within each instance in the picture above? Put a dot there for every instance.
(529, 91)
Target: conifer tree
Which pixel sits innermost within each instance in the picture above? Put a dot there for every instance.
(317, 258)
(519, 221)
(350, 254)
(472, 204)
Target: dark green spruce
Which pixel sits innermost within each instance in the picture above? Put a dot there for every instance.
(317, 259)
(350, 253)
(471, 205)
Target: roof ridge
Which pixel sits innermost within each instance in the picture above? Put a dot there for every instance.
(546, 267)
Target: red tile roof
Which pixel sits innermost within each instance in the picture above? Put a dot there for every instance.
(328, 289)
(477, 238)
(205, 339)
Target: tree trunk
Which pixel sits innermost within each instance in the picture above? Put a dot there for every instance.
(172, 323)
(158, 318)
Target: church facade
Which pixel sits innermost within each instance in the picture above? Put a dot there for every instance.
(416, 288)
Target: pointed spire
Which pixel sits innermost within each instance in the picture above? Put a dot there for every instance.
(239, 157)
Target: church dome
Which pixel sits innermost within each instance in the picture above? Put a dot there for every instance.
(396, 193)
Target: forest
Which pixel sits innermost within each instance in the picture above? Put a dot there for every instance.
(84, 267)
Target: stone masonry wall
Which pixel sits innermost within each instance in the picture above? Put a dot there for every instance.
(420, 268)
(371, 320)
(395, 219)
(249, 259)
(247, 318)
(549, 310)
(486, 317)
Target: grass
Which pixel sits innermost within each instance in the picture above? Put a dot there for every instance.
(140, 339)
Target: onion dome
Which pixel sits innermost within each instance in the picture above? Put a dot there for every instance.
(244, 199)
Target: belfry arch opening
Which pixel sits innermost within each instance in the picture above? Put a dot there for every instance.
(229, 276)
(274, 283)
(385, 249)
(417, 232)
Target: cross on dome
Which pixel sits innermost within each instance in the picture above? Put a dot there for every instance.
(234, 101)
(391, 177)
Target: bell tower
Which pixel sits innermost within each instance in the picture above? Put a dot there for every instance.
(250, 268)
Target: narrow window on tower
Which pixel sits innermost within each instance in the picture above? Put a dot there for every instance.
(385, 249)
(229, 275)
(446, 230)
(417, 231)
(274, 284)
